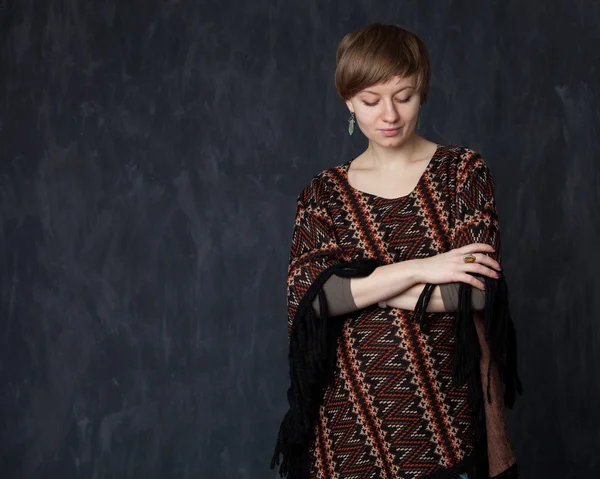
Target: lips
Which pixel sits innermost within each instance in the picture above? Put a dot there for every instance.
(390, 132)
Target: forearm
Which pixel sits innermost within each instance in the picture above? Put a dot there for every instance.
(408, 299)
(444, 298)
(385, 282)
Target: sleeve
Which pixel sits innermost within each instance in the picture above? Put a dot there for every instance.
(476, 221)
(315, 256)
(449, 292)
(338, 292)
(314, 251)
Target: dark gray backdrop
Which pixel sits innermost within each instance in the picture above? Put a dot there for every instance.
(151, 154)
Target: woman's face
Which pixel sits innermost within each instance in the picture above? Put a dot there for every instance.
(387, 112)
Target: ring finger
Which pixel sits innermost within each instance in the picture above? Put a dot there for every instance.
(483, 259)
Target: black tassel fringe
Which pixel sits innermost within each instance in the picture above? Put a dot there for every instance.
(501, 338)
(312, 358)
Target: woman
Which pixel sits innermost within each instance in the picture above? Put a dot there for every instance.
(402, 349)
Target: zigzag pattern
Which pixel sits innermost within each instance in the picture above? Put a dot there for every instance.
(392, 411)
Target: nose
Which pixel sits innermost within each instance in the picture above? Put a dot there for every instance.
(390, 113)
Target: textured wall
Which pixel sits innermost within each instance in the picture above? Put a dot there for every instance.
(151, 154)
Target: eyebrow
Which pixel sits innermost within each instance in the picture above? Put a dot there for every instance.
(374, 93)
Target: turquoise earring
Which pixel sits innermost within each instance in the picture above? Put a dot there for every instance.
(419, 122)
(351, 124)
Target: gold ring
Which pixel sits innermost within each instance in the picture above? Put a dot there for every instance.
(469, 258)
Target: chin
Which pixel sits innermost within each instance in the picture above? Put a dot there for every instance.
(390, 143)
(399, 138)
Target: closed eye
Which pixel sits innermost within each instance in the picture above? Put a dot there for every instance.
(399, 101)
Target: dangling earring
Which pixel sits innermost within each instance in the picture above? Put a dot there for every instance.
(418, 121)
(351, 123)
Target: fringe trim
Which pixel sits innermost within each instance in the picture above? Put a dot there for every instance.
(501, 337)
(312, 358)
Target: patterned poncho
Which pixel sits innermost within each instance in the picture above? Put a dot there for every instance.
(384, 392)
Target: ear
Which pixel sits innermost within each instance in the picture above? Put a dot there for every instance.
(349, 105)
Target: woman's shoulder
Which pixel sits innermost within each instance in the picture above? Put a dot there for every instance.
(465, 160)
(469, 167)
(319, 188)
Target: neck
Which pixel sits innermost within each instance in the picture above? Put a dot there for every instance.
(399, 157)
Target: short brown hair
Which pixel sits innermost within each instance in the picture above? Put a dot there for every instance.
(377, 53)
